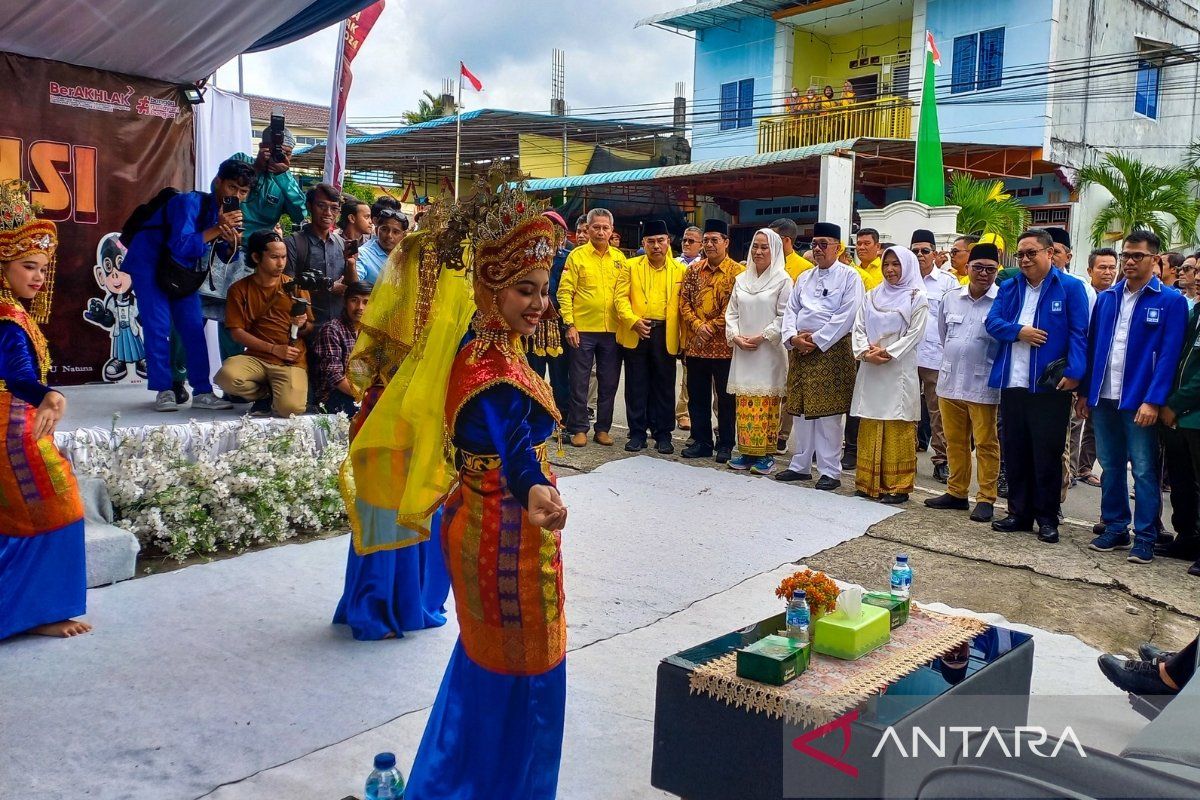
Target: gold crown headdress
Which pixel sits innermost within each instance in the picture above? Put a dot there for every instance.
(499, 234)
(22, 234)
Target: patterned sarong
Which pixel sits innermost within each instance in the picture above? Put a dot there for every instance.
(38, 492)
(506, 572)
(821, 384)
(757, 424)
(887, 456)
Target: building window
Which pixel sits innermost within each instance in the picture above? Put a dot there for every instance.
(1145, 97)
(737, 104)
(978, 61)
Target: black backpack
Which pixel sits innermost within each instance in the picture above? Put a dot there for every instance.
(174, 279)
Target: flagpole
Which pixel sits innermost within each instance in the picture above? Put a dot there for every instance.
(458, 133)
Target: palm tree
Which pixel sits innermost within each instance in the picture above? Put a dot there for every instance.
(1159, 199)
(985, 208)
(429, 108)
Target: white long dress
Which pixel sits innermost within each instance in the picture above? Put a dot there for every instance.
(890, 390)
(752, 311)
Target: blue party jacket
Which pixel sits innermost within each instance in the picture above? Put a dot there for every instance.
(1062, 312)
(1156, 330)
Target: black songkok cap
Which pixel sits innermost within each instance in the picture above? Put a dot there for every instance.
(828, 229)
(922, 235)
(984, 250)
(716, 226)
(1060, 236)
(655, 227)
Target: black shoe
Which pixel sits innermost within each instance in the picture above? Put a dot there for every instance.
(1194, 569)
(237, 401)
(723, 455)
(261, 408)
(789, 475)
(1183, 549)
(941, 473)
(635, 445)
(181, 394)
(1163, 539)
(922, 447)
(862, 494)
(1002, 486)
(664, 447)
(1048, 533)
(690, 441)
(827, 484)
(983, 512)
(1149, 652)
(948, 501)
(781, 444)
(1011, 524)
(697, 451)
(1133, 676)
(894, 499)
(850, 460)
(1098, 529)
(591, 413)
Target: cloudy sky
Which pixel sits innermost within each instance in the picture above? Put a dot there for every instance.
(506, 43)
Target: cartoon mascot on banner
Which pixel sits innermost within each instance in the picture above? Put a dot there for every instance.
(117, 313)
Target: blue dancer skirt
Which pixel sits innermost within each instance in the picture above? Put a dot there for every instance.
(491, 736)
(43, 579)
(395, 590)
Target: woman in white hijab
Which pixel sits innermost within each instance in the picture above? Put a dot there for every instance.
(758, 374)
(887, 393)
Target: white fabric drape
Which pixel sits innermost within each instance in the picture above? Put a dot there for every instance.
(221, 128)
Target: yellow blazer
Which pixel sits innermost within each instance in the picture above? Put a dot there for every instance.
(631, 300)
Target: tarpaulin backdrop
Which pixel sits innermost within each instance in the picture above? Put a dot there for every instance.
(93, 145)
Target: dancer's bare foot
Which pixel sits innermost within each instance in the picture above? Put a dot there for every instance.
(63, 630)
(389, 635)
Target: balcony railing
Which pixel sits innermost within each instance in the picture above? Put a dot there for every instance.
(884, 118)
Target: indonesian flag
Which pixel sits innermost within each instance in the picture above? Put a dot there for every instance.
(353, 33)
(466, 73)
(931, 47)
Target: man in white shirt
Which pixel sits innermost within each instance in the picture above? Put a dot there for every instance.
(929, 352)
(820, 385)
(969, 407)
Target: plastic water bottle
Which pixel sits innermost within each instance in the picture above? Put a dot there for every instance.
(798, 617)
(901, 577)
(385, 781)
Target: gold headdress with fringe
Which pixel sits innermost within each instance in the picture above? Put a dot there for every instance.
(23, 234)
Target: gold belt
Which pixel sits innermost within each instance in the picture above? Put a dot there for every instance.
(482, 462)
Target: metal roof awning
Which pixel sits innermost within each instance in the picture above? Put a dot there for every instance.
(715, 13)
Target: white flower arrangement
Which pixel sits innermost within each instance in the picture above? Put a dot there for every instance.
(275, 483)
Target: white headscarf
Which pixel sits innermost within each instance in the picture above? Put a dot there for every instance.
(889, 309)
(753, 283)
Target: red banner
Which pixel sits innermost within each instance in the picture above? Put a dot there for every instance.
(354, 33)
(93, 145)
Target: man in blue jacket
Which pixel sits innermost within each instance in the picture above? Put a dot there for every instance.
(1040, 319)
(1134, 345)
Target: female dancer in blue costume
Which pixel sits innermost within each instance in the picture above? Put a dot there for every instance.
(43, 580)
(495, 730)
(390, 587)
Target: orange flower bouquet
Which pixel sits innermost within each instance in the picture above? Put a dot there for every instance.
(819, 588)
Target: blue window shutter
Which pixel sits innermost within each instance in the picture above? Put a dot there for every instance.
(745, 109)
(729, 97)
(962, 74)
(1152, 91)
(1145, 97)
(991, 59)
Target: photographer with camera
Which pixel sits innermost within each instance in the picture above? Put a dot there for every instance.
(316, 255)
(269, 315)
(168, 242)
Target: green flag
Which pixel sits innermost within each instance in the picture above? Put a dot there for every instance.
(929, 179)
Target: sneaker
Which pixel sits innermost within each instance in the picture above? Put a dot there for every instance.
(763, 466)
(261, 408)
(789, 475)
(1142, 553)
(741, 462)
(165, 401)
(1150, 652)
(1107, 542)
(781, 444)
(1133, 676)
(210, 402)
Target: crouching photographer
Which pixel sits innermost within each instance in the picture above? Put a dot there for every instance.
(269, 315)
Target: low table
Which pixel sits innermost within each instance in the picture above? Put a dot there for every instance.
(705, 749)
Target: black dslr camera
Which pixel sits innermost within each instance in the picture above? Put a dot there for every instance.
(276, 128)
(313, 280)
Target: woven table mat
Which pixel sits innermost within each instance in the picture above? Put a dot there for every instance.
(831, 686)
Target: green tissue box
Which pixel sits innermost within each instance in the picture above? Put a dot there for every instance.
(896, 606)
(835, 635)
(772, 659)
